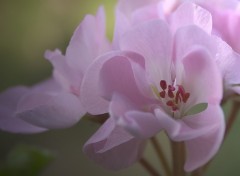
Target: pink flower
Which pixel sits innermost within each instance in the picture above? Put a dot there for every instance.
(221, 18)
(56, 103)
(152, 84)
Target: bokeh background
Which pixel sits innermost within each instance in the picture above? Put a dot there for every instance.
(27, 29)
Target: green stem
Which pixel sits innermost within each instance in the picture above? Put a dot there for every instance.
(232, 117)
(157, 147)
(178, 158)
(148, 167)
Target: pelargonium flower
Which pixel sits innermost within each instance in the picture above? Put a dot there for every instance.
(55, 103)
(154, 83)
(219, 19)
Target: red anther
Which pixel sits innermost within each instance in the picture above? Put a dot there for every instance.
(181, 90)
(163, 84)
(174, 108)
(170, 87)
(170, 103)
(162, 94)
(185, 97)
(170, 93)
(178, 97)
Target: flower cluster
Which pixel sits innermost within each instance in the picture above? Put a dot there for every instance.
(170, 66)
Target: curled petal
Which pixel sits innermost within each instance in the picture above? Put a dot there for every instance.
(91, 96)
(66, 76)
(200, 70)
(200, 150)
(127, 115)
(113, 148)
(50, 110)
(117, 76)
(8, 105)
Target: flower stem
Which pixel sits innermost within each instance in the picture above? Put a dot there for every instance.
(178, 158)
(145, 164)
(232, 117)
(161, 156)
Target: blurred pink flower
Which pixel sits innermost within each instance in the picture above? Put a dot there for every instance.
(55, 103)
(160, 74)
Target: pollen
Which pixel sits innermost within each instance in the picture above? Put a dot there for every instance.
(173, 96)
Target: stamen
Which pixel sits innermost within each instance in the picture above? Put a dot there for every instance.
(185, 97)
(163, 84)
(170, 103)
(170, 93)
(171, 97)
(174, 108)
(170, 87)
(162, 94)
(178, 98)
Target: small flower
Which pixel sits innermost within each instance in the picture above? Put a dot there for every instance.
(56, 103)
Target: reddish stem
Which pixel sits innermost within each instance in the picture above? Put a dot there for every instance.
(178, 158)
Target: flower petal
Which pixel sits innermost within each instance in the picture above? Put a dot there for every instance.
(153, 41)
(195, 126)
(129, 116)
(67, 77)
(200, 150)
(8, 104)
(128, 7)
(90, 90)
(50, 110)
(117, 76)
(113, 148)
(87, 42)
(199, 70)
(191, 14)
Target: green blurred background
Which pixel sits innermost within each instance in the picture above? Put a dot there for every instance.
(30, 27)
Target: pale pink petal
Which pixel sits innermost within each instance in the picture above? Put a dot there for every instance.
(90, 92)
(234, 25)
(203, 134)
(153, 41)
(187, 37)
(129, 116)
(117, 76)
(113, 148)
(202, 77)
(88, 42)
(194, 126)
(200, 150)
(130, 13)
(191, 14)
(50, 85)
(128, 7)
(8, 105)
(50, 110)
(65, 75)
(122, 24)
(146, 13)
(167, 123)
(226, 59)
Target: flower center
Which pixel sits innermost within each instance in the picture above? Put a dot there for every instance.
(173, 96)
